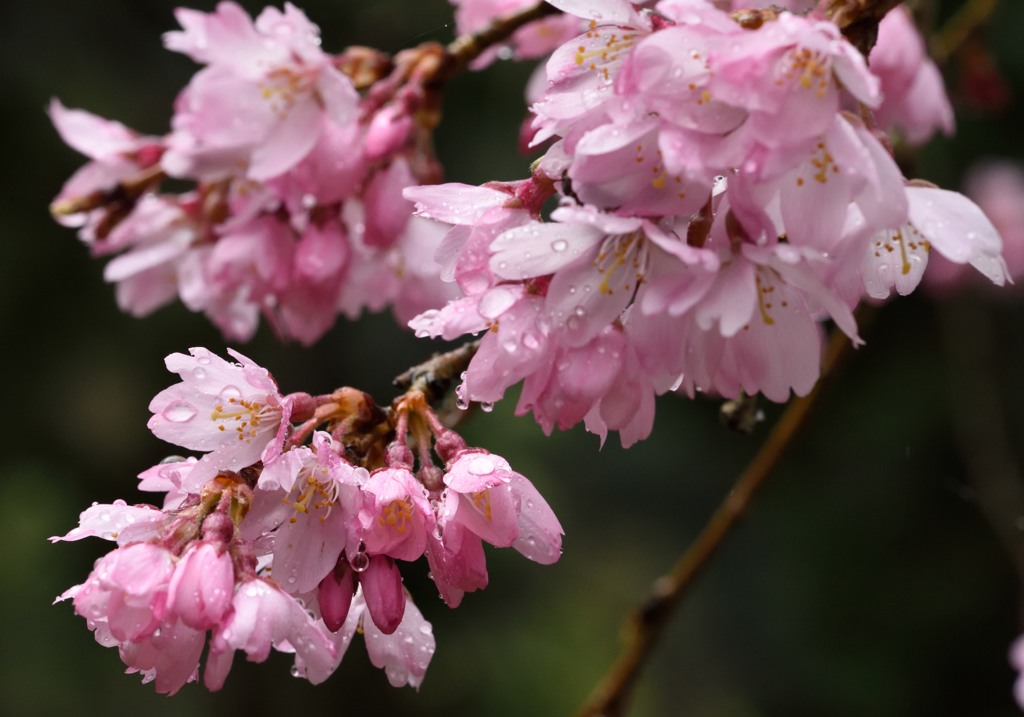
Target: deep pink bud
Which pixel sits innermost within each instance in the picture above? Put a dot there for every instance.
(384, 594)
(335, 596)
(388, 131)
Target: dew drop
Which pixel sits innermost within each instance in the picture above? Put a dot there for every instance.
(461, 403)
(295, 671)
(179, 412)
(360, 562)
(229, 392)
(199, 373)
(481, 465)
(486, 406)
(559, 245)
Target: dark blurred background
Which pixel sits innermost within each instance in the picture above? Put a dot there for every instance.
(869, 578)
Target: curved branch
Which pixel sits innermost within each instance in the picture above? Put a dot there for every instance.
(648, 621)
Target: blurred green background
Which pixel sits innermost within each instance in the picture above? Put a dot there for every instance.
(867, 580)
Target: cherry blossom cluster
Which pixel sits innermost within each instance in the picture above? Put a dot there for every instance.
(297, 161)
(287, 532)
(721, 185)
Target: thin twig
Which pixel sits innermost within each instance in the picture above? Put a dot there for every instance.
(466, 48)
(645, 625)
(968, 18)
(435, 376)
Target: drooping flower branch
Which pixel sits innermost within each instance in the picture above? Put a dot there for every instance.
(288, 532)
(716, 183)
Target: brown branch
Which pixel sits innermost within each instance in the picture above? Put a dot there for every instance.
(646, 624)
(463, 50)
(966, 21)
(435, 376)
(858, 19)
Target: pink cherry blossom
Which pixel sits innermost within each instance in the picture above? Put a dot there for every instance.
(998, 189)
(127, 591)
(263, 617)
(323, 492)
(403, 654)
(914, 97)
(117, 154)
(260, 99)
(233, 411)
(200, 589)
(396, 516)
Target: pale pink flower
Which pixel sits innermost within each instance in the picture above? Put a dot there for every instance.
(263, 617)
(942, 220)
(396, 515)
(172, 477)
(232, 411)
(117, 154)
(477, 216)
(200, 590)
(998, 189)
(157, 235)
(117, 521)
(260, 100)
(457, 561)
(581, 73)
(127, 591)
(169, 657)
(403, 654)
(485, 500)
(323, 492)
(914, 98)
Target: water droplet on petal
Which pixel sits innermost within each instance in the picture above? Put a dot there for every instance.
(559, 245)
(481, 465)
(179, 412)
(486, 406)
(360, 562)
(229, 392)
(199, 373)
